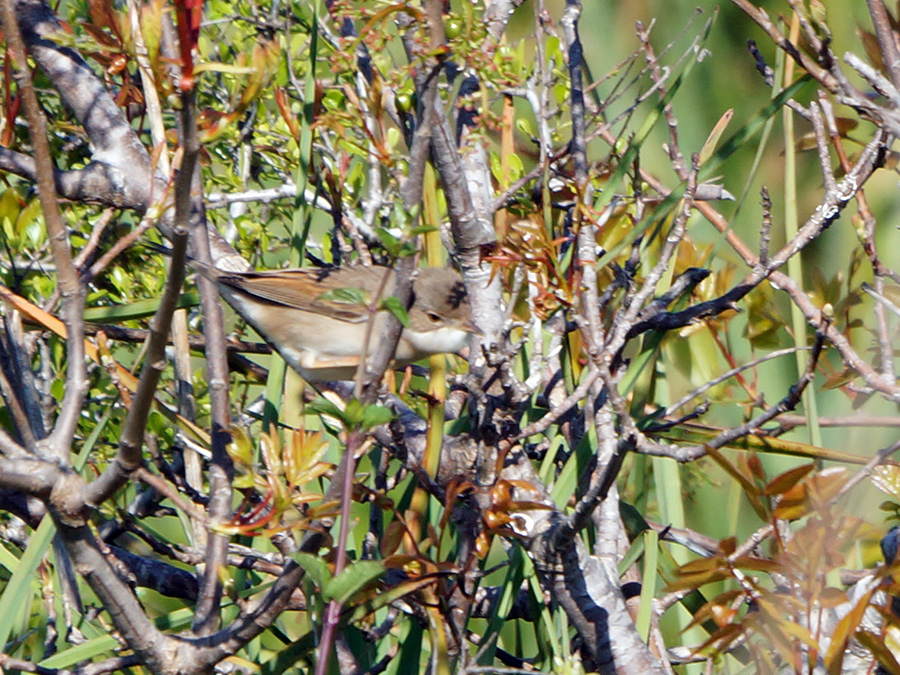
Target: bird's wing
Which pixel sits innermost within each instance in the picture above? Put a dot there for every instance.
(341, 293)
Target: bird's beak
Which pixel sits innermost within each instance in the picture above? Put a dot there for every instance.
(470, 327)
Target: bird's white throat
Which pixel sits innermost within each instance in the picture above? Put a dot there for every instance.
(440, 341)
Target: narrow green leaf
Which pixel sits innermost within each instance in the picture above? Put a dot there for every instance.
(348, 296)
(323, 406)
(101, 646)
(218, 67)
(353, 579)
(395, 307)
(648, 587)
(13, 597)
(19, 585)
(375, 415)
(634, 552)
(389, 241)
(8, 559)
(135, 310)
(508, 591)
(86, 651)
(315, 567)
(410, 651)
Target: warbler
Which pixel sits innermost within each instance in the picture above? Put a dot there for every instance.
(317, 318)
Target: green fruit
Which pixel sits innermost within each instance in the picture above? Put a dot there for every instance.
(453, 27)
(404, 101)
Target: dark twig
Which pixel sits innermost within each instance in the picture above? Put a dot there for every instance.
(789, 402)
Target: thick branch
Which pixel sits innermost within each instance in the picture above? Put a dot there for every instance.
(114, 142)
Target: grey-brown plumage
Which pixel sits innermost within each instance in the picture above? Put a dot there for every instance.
(317, 318)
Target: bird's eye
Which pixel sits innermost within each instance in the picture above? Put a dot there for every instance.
(434, 317)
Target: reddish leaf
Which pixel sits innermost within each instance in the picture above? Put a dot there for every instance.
(794, 503)
(702, 565)
(722, 638)
(694, 581)
(728, 546)
(785, 481)
(705, 612)
(392, 537)
(759, 564)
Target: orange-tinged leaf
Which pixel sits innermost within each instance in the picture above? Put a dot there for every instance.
(846, 376)
(482, 544)
(392, 538)
(785, 481)
(126, 378)
(501, 494)
(694, 581)
(722, 638)
(728, 546)
(701, 615)
(495, 519)
(879, 650)
(793, 504)
(845, 125)
(756, 467)
(845, 628)
(827, 483)
(298, 498)
(748, 562)
(705, 612)
(799, 632)
(872, 48)
(529, 506)
(240, 448)
(301, 456)
(702, 565)
(745, 481)
(713, 139)
(832, 597)
(723, 615)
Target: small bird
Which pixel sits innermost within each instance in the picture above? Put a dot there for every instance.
(317, 318)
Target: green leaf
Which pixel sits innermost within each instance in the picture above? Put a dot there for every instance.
(348, 296)
(648, 583)
(216, 67)
(322, 406)
(353, 579)
(515, 166)
(389, 241)
(524, 126)
(97, 647)
(315, 567)
(375, 415)
(7, 559)
(354, 412)
(422, 229)
(13, 598)
(135, 310)
(395, 307)
(83, 652)
(632, 555)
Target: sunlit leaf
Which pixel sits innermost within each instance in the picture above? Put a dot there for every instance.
(353, 579)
